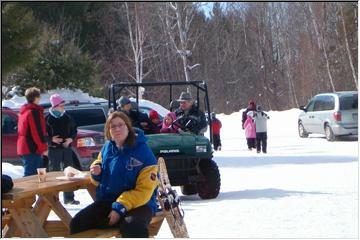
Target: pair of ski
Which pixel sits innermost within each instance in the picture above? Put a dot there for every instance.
(170, 202)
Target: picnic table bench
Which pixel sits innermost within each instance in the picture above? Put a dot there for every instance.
(28, 214)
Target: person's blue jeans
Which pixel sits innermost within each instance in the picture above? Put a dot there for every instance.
(31, 162)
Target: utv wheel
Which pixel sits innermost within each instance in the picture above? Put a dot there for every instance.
(329, 133)
(211, 187)
(188, 189)
(302, 131)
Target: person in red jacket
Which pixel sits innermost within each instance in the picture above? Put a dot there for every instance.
(216, 125)
(31, 143)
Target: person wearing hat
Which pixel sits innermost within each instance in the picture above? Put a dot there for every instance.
(251, 107)
(191, 117)
(155, 121)
(62, 130)
(260, 119)
(138, 119)
(31, 142)
(216, 125)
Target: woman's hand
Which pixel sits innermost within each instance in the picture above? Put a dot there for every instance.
(114, 217)
(95, 170)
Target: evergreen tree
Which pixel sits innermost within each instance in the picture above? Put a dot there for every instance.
(60, 65)
(18, 36)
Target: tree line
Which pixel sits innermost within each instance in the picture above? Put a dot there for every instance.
(278, 53)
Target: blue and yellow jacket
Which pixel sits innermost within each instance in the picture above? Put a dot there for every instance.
(128, 175)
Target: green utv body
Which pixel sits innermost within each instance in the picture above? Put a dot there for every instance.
(188, 156)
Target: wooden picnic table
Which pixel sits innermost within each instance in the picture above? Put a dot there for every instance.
(28, 214)
(27, 219)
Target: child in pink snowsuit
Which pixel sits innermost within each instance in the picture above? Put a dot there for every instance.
(168, 120)
(250, 130)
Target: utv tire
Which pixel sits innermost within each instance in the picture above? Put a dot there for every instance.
(329, 133)
(302, 131)
(211, 187)
(188, 189)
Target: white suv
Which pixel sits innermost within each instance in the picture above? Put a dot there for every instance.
(332, 114)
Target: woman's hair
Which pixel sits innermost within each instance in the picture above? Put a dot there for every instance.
(31, 94)
(130, 140)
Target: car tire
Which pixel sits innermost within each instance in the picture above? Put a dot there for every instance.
(210, 188)
(302, 132)
(329, 133)
(189, 189)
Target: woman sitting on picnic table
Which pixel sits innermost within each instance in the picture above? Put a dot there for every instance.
(126, 177)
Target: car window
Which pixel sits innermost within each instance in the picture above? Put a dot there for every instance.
(310, 106)
(328, 103)
(8, 124)
(348, 102)
(323, 103)
(84, 117)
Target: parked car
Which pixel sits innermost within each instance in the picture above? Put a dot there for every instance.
(87, 143)
(332, 114)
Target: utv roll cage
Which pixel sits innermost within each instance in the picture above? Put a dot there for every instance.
(115, 90)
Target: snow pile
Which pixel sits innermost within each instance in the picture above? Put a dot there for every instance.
(69, 95)
(12, 171)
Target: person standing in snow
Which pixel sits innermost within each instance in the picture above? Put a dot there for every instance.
(250, 130)
(260, 119)
(125, 174)
(251, 107)
(62, 131)
(31, 142)
(216, 125)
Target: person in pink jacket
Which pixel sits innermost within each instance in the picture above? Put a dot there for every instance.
(250, 130)
(168, 120)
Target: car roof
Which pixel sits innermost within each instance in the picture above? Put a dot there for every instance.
(341, 93)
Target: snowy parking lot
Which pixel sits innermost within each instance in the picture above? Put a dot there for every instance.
(302, 188)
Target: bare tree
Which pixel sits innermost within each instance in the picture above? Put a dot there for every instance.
(180, 15)
(347, 46)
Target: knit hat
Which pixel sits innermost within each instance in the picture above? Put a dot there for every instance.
(250, 114)
(258, 108)
(170, 114)
(123, 101)
(56, 99)
(153, 115)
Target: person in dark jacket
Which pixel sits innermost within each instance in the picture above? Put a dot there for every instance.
(126, 176)
(216, 125)
(139, 119)
(156, 124)
(191, 117)
(31, 142)
(62, 131)
(251, 107)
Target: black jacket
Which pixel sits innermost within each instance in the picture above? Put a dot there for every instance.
(64, 126)
(194, 120)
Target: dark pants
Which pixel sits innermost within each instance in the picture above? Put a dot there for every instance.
(261, 141)
(217, 141)
(251, 142)
(31, 162)
(60, 158)
(134, 224)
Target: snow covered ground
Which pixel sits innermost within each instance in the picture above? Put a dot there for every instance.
(303, 188)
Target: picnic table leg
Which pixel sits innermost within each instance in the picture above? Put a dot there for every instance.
(54, 203)
(42, 210)
(27, 223)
